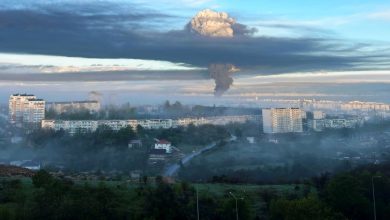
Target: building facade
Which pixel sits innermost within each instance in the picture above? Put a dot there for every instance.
(282, 120)
(338, 123)
(164, 145)
(61, 107)
(84, 126)
(26, 109)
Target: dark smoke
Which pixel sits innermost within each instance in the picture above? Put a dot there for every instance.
(222, 74)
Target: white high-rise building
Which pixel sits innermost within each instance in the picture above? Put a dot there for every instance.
(26, 109)
(282, 120)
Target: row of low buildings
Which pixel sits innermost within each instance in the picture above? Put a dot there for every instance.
(335, 123)
(84, 126)
(344, 106)
(351, 107)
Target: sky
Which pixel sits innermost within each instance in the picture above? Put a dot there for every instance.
(113, 40)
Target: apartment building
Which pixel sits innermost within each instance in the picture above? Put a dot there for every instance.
(282, 120)
(26, 109)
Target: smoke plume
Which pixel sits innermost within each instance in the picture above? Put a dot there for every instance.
(222, 74)
(95, 96)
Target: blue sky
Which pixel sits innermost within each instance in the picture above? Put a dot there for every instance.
(352, 19)
(81, 28)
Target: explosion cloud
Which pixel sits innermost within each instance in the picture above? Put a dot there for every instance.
(222, 74)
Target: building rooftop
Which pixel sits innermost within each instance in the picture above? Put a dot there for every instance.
(24, 94)
(74, 102)
(163, 141)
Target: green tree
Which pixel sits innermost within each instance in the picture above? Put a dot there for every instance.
(346, 194)
(309, 208)
(42, 179)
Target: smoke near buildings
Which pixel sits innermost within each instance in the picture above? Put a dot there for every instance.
(222, 74)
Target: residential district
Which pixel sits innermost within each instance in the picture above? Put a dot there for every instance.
(28, 112)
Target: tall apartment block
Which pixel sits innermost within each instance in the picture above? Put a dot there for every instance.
(282, 120)
(25, 109)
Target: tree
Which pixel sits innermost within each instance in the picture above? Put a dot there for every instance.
(42, 179)
(309, 208)
(345, 193)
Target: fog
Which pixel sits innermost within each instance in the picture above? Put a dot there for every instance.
(197, 91)
(269, 159)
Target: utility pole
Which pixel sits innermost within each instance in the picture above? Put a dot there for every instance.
(373, 193)
(236, 203)
(197, 202)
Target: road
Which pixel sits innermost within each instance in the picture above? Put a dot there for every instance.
(172, 169)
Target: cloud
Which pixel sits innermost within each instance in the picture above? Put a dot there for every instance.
(105, 30)
(60, 64)
(380, 15)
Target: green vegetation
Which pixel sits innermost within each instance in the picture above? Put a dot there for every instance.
(107, 150)
(343, 196)
(283, 158)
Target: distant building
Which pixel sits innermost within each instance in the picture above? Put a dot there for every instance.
(135, 175)
(318, 115)
(71, 127)
(157, 156)
(28, 164)
(135, 144)
(25, 109)
(338, 123)
(250, 140)
(164, 145)
(282, 120)
(16, 140)
(61, 107)
(84, 126)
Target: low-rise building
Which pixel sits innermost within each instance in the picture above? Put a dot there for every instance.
(164, 145)
(135, 144)
(85, 126)
(157, 156)
(338, 123)
(250, 140)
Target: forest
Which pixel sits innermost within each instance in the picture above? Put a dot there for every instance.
(346, 195)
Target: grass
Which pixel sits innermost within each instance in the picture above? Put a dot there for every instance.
(221, 189)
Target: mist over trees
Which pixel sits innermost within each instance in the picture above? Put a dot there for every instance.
(108, 150)
(167, 109)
